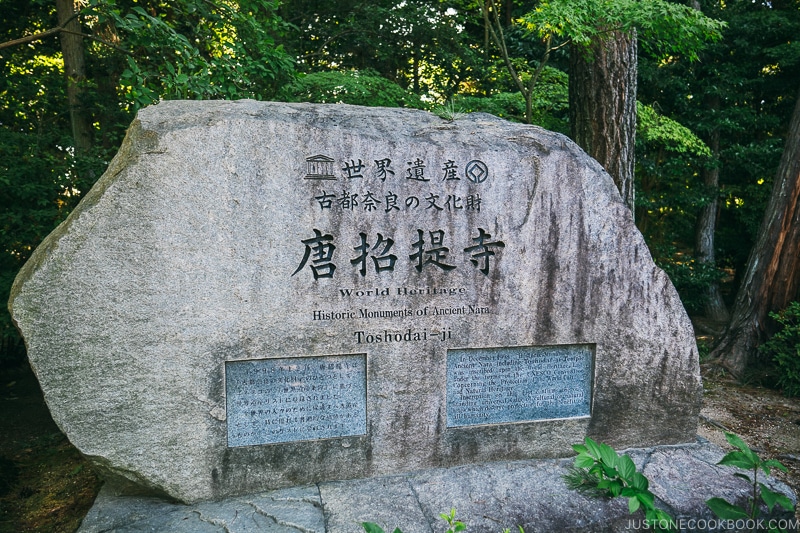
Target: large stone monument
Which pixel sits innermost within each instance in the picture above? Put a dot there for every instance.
(260, 295)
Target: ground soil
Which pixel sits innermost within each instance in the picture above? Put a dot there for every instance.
(766, 420)
(46, 486)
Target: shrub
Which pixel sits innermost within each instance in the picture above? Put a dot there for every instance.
(784, 349)
(365, 87)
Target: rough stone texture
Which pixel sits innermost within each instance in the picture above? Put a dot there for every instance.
(286, 511)
(389, 502)
(487, 497)
(186, 253)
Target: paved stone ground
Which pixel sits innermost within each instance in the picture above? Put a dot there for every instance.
(488, 498)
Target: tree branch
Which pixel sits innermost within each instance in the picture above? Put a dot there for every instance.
(58, 30)
(99, 40)
(500, 42)
(38, 36)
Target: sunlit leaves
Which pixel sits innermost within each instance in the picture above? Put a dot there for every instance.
(199, 49)
(662, 27)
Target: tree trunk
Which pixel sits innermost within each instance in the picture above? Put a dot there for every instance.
(714, 305)
(772, 277)
(75, 71)
(602, 106)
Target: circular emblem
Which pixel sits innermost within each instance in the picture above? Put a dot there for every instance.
(476, 171)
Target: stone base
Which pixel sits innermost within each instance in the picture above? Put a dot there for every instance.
(487, 497)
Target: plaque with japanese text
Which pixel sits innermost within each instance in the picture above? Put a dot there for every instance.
(295, 399)
(518, 384)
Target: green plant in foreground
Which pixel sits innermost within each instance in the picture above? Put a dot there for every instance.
(455, 524)
(600, 472)
(449, 111)
(372, 527)
(747, 459)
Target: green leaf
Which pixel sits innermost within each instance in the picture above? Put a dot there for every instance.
(772, 463)
(647, 499)
(594, 449)
(725, 510)
(771, 498)
(397, 530)
(737, 459)
(626, 467)
(608, 455)
(615, 487)
(633, 505)
(580, 448)
(639, 481)
(583, 461)
(735, 440)
(371, 527)
(610, 471)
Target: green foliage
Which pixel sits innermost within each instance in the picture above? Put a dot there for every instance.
(198, 49)
(670, 159)
(510, 106)
(663, 28)
(549, 102)
(422, 46)
(656, 129)
(746, 459)
(600, 472)
(738, 99)
(454, 524)
(372, 527)
(784, 348)
(691, 279)
(350, 87)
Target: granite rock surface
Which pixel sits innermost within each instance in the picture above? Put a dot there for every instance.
(377, 239)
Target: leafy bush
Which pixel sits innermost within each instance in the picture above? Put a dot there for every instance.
(691, 279)
(365, 87)
(784, 349)
(550, 102)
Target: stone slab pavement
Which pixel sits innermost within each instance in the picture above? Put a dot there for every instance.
(488, 497)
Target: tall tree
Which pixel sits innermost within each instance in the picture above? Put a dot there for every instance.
(603, 66)
(72, 51)
(738, 98)
(494, 24)
(772, 277)
(114, 56)
(602, 105)
(704, 248)
(705, 251)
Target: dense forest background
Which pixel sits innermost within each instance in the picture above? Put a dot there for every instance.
(715, 84)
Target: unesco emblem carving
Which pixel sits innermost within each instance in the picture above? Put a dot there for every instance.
(476, 171)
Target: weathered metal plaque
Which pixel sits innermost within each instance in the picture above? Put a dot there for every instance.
(518, 384)
(295, 399)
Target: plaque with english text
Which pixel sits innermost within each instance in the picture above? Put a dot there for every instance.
(295, 399)
(518, 384)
